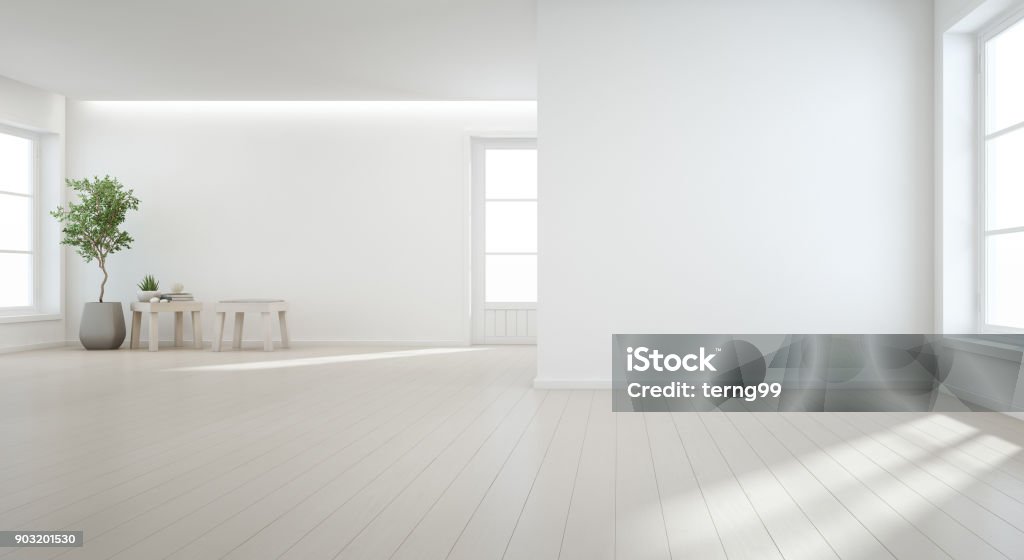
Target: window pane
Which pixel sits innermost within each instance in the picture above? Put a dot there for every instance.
(15, 223)
(511, 173)
(15, 280)
(1005, 279)
(1005, 178)
(16, 164)
(511, 278)
(511, 227)
(1004, 83)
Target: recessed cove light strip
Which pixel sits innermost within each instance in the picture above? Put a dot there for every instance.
(321, 107)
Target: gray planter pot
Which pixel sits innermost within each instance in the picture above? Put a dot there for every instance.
(102, 326)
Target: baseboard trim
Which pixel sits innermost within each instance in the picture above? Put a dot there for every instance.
(31, 347)
(589, 383)
(372, 342)
(74, 342)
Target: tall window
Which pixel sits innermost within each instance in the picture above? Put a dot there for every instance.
(1002, 176)
(504, 225)
(510, 238)
(17, 219)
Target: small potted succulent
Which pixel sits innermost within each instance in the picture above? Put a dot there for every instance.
(149, 288)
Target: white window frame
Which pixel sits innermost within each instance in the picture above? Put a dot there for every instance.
(983, 232)
(34, 224)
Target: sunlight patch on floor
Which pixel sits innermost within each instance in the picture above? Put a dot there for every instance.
(325, 360)
(858, 478)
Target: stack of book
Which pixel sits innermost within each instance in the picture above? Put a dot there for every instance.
(182, 296)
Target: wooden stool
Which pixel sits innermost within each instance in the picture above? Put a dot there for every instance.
(242, 306)
(179, 308)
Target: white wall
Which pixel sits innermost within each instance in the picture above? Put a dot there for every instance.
(732, 166)
(355, 212)
(26, 107)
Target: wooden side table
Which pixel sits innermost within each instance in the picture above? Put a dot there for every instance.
(242, 306)
(179, 308)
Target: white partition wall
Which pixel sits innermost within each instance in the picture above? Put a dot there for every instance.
(734, 166)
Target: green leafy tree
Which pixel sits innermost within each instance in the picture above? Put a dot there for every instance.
(93, 225)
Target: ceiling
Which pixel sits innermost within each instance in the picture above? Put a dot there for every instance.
(272, 49)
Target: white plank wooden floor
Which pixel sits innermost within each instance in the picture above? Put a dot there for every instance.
(366, 453)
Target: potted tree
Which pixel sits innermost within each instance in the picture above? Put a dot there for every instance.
(92, 226)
